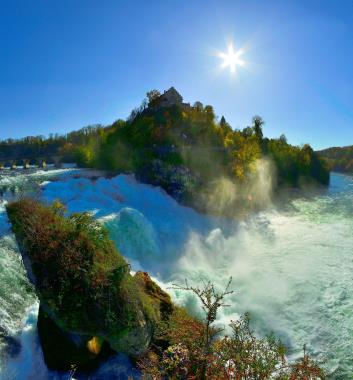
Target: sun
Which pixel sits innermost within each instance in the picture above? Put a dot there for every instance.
(231, 59)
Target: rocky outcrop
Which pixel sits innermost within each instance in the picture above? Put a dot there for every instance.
(177, 180)
(90, 304)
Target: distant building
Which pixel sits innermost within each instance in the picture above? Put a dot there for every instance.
(170, 98)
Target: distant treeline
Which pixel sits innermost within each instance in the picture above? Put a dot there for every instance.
(56, 144)
(180, 147)
(338, 159)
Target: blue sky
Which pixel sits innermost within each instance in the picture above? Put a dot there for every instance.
(66, 64)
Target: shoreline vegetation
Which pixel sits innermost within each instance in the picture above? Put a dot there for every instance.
(186, 150)
(91, 306)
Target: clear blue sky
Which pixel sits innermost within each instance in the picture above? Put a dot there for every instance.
(65, 64)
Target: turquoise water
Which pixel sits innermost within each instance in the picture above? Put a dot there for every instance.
(292, 265)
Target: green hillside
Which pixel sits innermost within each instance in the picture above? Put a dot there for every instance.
(339, 159)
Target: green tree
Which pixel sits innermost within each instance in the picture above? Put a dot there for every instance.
(152, 96)
(258, 123)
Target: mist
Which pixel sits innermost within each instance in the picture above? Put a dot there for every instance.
(226, 197)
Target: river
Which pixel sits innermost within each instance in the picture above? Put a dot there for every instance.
(292, 265)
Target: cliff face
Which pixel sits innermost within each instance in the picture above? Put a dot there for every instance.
(88, 298)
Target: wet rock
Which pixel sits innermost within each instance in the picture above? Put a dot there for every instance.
(63, 351)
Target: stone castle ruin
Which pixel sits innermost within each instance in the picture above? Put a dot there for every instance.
(170, 98)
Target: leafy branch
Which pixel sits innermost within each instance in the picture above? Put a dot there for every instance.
(211, 301)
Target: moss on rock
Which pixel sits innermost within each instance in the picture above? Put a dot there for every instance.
(160, 300)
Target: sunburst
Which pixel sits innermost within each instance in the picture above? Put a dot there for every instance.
(232, 58)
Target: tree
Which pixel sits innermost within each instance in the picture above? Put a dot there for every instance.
(211, 301)
(258, 122)
(152, 96)
(225, 127)
(283, 139)
(84, 156)
(198, 105)
(209, 111)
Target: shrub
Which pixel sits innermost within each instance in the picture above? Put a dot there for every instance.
(195, 350)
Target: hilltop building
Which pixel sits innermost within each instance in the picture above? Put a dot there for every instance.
(170, 98)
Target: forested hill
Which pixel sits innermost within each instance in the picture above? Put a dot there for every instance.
(339, 159)
(181, 147)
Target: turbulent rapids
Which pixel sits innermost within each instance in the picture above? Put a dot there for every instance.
(291, 265)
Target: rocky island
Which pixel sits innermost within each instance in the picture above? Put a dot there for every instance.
(90, 304)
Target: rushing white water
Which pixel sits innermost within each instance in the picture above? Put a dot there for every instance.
(292, 266)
